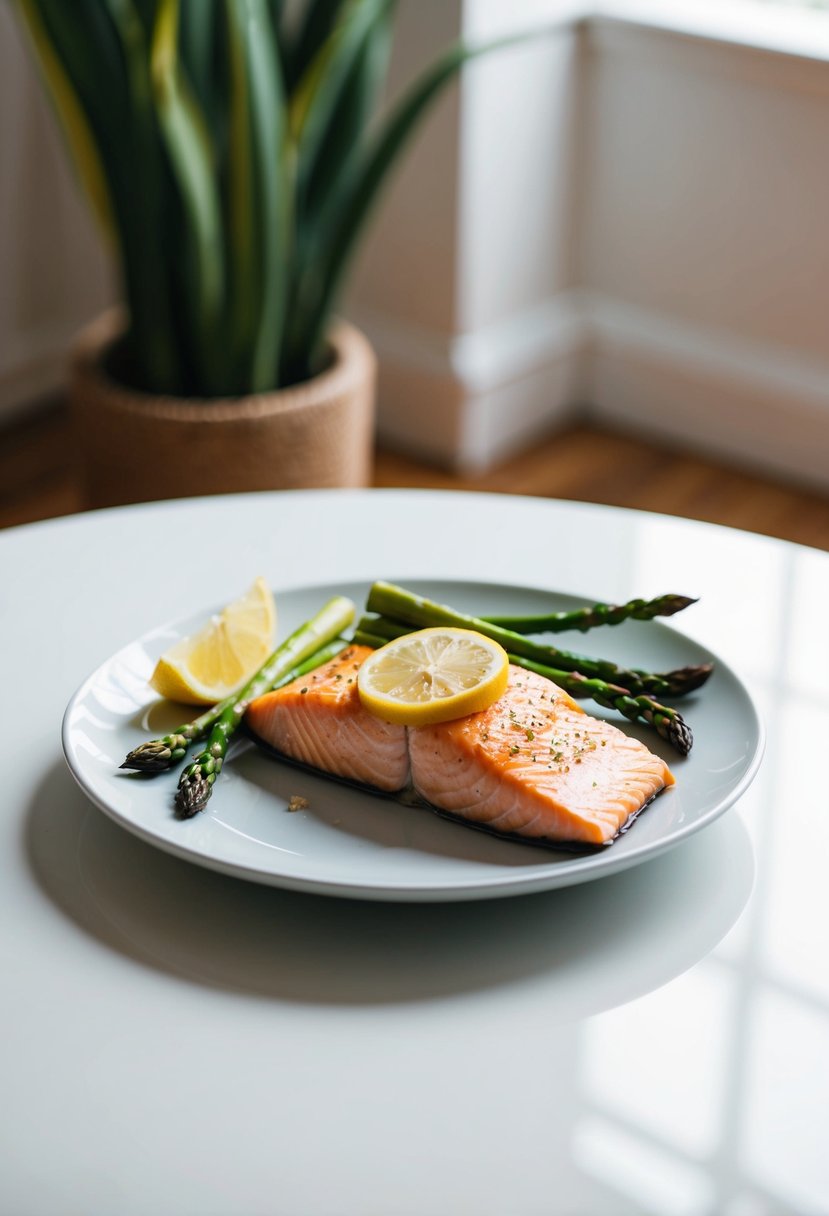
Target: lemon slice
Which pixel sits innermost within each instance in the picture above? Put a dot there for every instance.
(219, 660)
(432, 676)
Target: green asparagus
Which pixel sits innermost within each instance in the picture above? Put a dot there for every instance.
(665, 720)
(196, 782)
(159, 755)
(401, 608)
(583, 619)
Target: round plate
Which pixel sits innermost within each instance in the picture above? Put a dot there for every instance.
(350, 843)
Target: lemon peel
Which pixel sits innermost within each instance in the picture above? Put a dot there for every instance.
(432, 676)
(212, 664)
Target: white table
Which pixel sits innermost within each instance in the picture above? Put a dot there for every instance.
(178, 1041)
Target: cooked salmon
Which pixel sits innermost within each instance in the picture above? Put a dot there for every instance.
(537, 765)
(320, 721)
(534, 764)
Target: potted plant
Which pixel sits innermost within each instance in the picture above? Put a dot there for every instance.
(229, 156)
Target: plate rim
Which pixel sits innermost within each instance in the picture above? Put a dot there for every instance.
(529, 880)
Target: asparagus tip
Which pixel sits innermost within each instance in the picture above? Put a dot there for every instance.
(671, 726)
(681, 736)
(688, 679)
(676, 603)
(192, 795)
(151, 757)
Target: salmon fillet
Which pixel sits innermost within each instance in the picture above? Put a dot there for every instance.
(320, 721)
(533, 764)
(536, 764)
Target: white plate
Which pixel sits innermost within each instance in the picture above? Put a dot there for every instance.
(349, 843)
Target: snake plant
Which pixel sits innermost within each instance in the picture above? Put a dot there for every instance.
(230, 151)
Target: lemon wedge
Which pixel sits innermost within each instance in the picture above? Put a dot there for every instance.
(219, 660)
(433, 676)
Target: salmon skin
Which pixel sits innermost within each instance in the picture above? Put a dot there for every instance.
(533, 767)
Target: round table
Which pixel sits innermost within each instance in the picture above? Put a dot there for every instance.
(180, 1041)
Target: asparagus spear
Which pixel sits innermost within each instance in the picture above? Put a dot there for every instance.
(676, 683)
(666, 721)
(316, 660)
(588, 618)
(402, 611)
(673, 683)
(196, 782)
(158, 755)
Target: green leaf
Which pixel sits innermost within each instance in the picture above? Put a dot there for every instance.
(85, 42)
(347, 126)
(224, 211)
(348, 213)
(151, 313)
(315, 103)
(192, 160)
(317, 20)
(101, 49)
(329, 113)
(69, 110)
(276, 9)
(241, 189)
(260, 194)
(197, 38)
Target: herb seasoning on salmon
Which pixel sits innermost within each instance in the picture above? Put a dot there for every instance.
(533, 765)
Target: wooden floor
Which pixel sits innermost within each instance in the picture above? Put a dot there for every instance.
(39, 480)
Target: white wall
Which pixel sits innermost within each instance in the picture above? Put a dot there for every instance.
(628, 214)
(642, 231)
(706, 243)
(459, 284)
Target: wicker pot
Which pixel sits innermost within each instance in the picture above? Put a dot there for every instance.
(137, 447)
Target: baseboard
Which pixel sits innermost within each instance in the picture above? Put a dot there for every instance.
(762, 407)
(432, 416)
(470, 401)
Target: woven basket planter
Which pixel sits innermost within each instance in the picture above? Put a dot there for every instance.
(136, 447)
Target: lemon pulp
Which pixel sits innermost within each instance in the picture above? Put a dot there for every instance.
(433, 675)
(220, 659)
